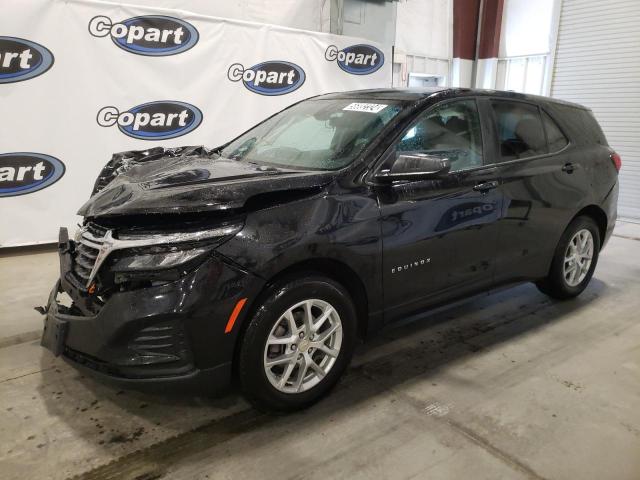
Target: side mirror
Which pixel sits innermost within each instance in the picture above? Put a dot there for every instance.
(415, 167)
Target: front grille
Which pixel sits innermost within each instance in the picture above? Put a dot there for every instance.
(83, 261)
(96, 230)
(86, 251)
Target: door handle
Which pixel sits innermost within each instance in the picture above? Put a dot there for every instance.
(569, 167)
(486, 186)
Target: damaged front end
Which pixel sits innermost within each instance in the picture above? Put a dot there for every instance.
(121, 162)
(138, 303)
(191, 180)
(149, 293)
(156, 213)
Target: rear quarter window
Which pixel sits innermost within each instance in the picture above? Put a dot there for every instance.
(555, 137)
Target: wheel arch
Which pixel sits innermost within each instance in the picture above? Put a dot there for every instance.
(599, 216)
(327, 267)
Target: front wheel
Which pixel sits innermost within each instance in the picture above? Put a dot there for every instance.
(574, 260)
(298, 344)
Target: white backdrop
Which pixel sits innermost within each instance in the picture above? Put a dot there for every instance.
(56, 112)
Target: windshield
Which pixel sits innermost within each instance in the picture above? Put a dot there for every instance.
(314, 134)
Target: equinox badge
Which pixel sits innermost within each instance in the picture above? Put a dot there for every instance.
(417, 263)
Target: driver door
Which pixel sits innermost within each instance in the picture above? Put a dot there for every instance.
(440, 235)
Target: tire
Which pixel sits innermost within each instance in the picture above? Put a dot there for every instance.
(560, 283)
(263, 385)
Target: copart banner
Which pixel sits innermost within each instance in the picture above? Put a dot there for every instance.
(80, 80)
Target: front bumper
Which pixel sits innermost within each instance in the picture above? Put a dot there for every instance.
(150, 337)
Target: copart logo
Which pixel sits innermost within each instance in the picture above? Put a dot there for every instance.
(357, 59)
(25, 172)
(269, 78)
(22, 59)
(151, 35)
(154, 120)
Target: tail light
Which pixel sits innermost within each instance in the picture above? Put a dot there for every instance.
(617, 161)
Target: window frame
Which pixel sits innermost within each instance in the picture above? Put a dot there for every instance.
(495, 147)
(390, 150)
(497, 138)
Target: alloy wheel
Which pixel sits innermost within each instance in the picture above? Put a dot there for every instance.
(303, 346)
(578, 257)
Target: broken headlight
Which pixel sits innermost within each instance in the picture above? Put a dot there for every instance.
(162, 257)
(157, 261)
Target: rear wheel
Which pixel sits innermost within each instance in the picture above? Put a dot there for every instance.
(297, 344)
(574, 260)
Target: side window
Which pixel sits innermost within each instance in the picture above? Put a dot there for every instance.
(449, 131)
(520, 132)
(557, 140)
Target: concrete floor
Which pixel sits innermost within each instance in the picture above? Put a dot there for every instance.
(509, 386)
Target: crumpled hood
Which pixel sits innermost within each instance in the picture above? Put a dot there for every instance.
(187, 179)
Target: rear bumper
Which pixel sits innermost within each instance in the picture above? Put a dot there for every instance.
(155, 337)
(610, 206)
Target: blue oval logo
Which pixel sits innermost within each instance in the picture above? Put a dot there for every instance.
(269, 78)
(157, 120)
(22, 59)
(26, 172)
(150, 35)
(358, 59)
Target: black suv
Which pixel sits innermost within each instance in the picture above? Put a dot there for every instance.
(265, 259)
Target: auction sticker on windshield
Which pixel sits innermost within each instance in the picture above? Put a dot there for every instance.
(365, 107)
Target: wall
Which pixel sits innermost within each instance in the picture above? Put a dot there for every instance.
(597, 64)
(466, 15)
(423, 41)
(526, 40)
(526, 27)
(371, 19)
(304, 14)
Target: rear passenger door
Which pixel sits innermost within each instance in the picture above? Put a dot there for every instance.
(542, 185)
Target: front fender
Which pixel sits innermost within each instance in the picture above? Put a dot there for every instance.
(344, 229)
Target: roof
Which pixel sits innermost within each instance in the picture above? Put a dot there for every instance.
(437, 93)
(388, 93)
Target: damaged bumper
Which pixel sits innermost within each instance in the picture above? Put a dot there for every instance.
(170, 333)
